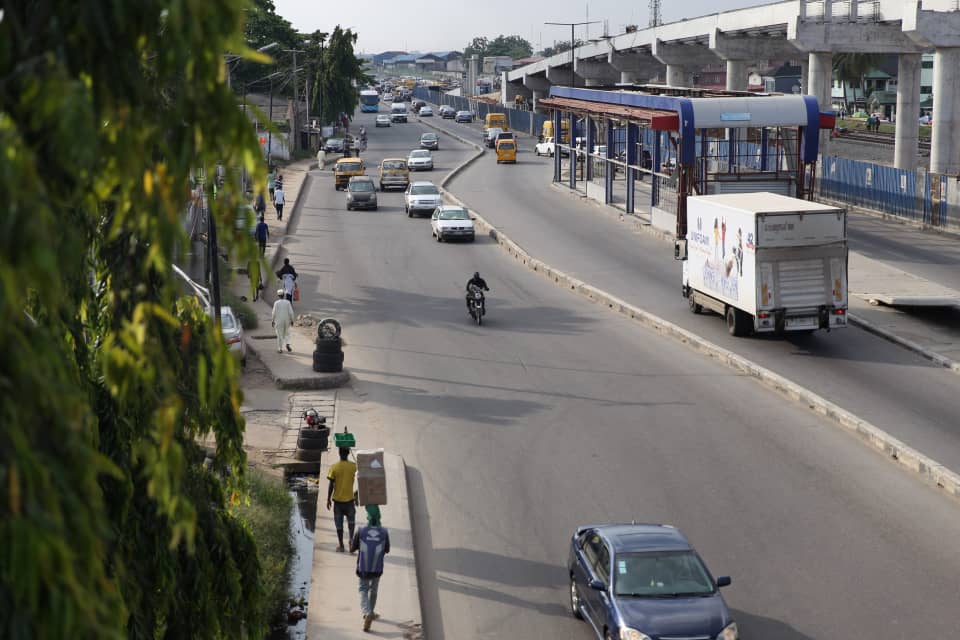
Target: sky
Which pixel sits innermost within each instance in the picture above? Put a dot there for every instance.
(441, 25)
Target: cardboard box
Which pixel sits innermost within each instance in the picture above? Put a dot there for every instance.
(371, 489)
(370, 460)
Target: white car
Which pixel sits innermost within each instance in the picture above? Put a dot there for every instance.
(545, 148)
(233, 334)
(420, 160)
(383, 120)
(425, 112)
(450, 222)
(421, 197)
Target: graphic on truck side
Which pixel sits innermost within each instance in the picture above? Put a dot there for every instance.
(721, 268)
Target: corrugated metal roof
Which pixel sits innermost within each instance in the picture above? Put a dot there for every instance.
(659, 119)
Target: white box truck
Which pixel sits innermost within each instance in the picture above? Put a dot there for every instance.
(766, 262)
(398, 112)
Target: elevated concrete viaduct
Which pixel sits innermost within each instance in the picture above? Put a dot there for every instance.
(808, 31)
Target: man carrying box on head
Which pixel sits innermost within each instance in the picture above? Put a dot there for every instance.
(340, 493)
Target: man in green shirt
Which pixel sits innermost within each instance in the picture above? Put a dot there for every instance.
(340, 493)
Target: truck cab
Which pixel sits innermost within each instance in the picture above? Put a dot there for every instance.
(398, 112)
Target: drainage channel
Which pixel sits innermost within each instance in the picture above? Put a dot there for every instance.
(304, 490)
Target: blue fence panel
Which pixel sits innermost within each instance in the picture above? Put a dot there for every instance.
(874, 186)
(519, 120)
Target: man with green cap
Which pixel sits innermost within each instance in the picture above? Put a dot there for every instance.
(373, 543)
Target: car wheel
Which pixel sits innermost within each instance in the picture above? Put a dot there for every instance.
(575, 600)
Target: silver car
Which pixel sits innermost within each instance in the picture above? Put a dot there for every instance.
(430, 141)
(233, 334)
(421, 197)
(420, 160)
(361, 193)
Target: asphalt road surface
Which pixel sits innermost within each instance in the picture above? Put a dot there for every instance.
(898, 391)
(556, 413)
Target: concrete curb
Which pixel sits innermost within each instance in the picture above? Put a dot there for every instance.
(864, 324)
(928, 469)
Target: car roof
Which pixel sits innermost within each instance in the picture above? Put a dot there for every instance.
(361, 179)
(422, 183)
(393, 160)
(428, 133)
(626, 538)
(345, 160)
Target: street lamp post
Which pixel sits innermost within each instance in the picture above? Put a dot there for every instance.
(572, 25)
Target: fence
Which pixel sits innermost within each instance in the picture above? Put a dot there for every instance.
(914, 195)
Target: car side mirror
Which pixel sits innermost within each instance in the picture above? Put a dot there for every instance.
(723, 581)
(597, 585)
(680, 249)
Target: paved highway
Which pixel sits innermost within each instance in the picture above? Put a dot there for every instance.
(898, 391)
(556, 413)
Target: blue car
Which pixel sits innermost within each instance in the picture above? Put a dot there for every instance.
(645, 582)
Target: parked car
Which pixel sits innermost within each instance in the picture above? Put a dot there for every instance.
(233, 334)
(446, 111)
(463, 116)
(333, 145)
(420, 160)
(490, 136)
(450, 222)
(421, 197)
(643, 581)
(425, 112)
(383, 120)
(430, 140)
(361, 193)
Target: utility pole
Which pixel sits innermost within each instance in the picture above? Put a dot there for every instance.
(573, 41)
(294, 129)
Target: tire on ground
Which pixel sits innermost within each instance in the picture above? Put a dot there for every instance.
(309, 455)
(309, 433)
(328, 328)
(327, 363)
(309, 444)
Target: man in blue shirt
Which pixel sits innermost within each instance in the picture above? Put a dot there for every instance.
(261, 233)
(373, 543)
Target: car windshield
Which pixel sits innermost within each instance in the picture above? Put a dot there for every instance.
(506, 146)
(394, 164)
(361, 185)
(348, 166)
(454, 214)
(428, 137)
(419, 154)
(661, 575)
(227, 322)
(424, 190)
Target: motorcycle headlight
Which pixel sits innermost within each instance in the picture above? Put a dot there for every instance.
(626, 633)
(729, 632)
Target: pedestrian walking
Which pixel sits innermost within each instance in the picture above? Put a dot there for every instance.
(321, 157)
(281, 319)
(288, 275)
(278, 199)
(271, 181)
(373, 543)
(261, 233)
(260, 205)
(340, 495)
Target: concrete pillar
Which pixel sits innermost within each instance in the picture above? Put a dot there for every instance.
(628, 77)
(537, 97)
(821, 81)
(945, 137)
(736, 75)
(908, 111)
(676, 75)
(804, 76)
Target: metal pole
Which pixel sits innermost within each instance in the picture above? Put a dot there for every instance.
(296, 105)
(269, 127)
(320, 91)
(573, 70)
(214, 267)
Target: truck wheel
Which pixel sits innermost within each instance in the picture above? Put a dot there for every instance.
(737, 322)
(691, 300)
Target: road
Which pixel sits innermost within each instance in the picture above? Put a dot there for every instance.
(556, 413)
(898, 391)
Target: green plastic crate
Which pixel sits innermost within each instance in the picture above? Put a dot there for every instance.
(344, 440)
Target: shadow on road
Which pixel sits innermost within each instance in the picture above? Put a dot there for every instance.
(754, 626)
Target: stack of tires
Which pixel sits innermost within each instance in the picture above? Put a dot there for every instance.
(313, 441)
(328, 356)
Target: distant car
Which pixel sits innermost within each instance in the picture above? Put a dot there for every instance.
(233, 334)
(420, 160)
(545, 148)
(430, 141)
(450, 222)
(333, 145)
(421, 197)
(490, 136)
(361, 193)
(426, 112)
(383, 120)
(504, 135)
(417, 105)
(446, 111)
(463, 116)
(643, 581)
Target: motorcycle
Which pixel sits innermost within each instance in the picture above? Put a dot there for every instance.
(477, 310)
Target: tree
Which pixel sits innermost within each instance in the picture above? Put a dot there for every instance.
(262, 27)
(111, 523)
(854, 67)
(560, 47)
(340, 76)
(513, 46)
(478, 46)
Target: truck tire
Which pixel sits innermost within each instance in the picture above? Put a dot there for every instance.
(312, 433)
(691, 300)
(737, 322)
(309, 455)
(327, 362)
(312, 444)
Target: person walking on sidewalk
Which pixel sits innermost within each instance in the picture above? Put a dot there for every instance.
(288, 275)
(261, 233)
(282, 318)
(340, 494)
(373, 543)
(279, 199)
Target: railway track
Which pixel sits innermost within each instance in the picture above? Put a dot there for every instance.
(875, 137)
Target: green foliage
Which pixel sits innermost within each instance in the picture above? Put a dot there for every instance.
(560, 47)
(513, 46)
(339, 71)
(267, 517)
(111, 523)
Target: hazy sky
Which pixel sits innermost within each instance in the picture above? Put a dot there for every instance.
(437, 25)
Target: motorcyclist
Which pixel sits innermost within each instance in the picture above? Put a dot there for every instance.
(481, 284)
